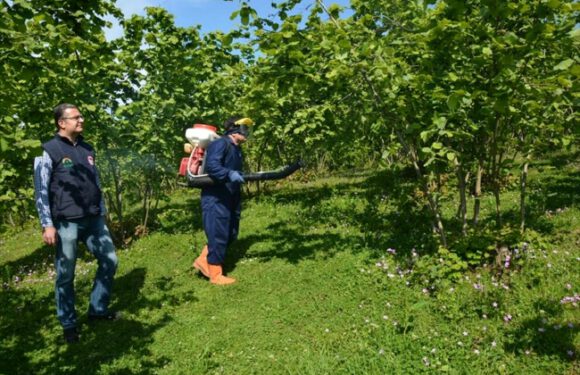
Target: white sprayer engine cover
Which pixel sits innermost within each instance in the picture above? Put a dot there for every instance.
(201, 135)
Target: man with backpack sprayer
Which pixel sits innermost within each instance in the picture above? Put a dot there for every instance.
(221, 202)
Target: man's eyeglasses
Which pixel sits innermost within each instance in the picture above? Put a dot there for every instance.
(76, 118)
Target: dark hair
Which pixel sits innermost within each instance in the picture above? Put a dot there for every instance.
(59, 111)
(231, 123)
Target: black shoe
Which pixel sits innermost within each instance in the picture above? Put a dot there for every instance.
(110, 316)
(71, 335)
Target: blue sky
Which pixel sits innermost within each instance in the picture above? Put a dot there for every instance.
(212, 15)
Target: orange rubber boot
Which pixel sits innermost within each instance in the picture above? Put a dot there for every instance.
(200, 263)
(216, 275)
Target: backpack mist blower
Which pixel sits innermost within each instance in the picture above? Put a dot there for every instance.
(193, 166)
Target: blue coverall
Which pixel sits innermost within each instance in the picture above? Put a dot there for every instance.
(221, 203)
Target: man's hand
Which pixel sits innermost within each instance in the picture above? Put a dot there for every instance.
(49, 235)
(235, 176)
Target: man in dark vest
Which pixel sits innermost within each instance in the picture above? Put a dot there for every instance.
(71, 209)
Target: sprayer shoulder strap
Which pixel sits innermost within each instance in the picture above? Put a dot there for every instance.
(227, 151)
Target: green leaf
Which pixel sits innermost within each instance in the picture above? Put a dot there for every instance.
(234, 15)
(554, 4)
(3, 144)
(451, 156)
(453, 102)
(28, 143)
(564, 64)
(245, 16)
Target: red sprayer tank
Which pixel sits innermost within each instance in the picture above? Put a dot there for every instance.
(199, 136)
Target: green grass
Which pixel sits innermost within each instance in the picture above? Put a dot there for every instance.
(317, 292)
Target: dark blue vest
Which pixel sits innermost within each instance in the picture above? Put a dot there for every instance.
(73, 190)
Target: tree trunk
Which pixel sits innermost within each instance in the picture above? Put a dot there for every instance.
(434, 207)
(462, 197)
(146, 205)
(477, 194)
(523, 184)
(115, 200)
(495, 169)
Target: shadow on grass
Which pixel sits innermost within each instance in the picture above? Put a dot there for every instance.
(556, 339)
(37, 261)
(25, 314)
(353, 218)
(179, 217)
(554, 192)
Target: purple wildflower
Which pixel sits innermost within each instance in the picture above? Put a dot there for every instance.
(571, 299)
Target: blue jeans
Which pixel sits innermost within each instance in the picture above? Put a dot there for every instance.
(95, 234)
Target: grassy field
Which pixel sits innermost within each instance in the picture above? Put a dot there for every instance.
(334, 278)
